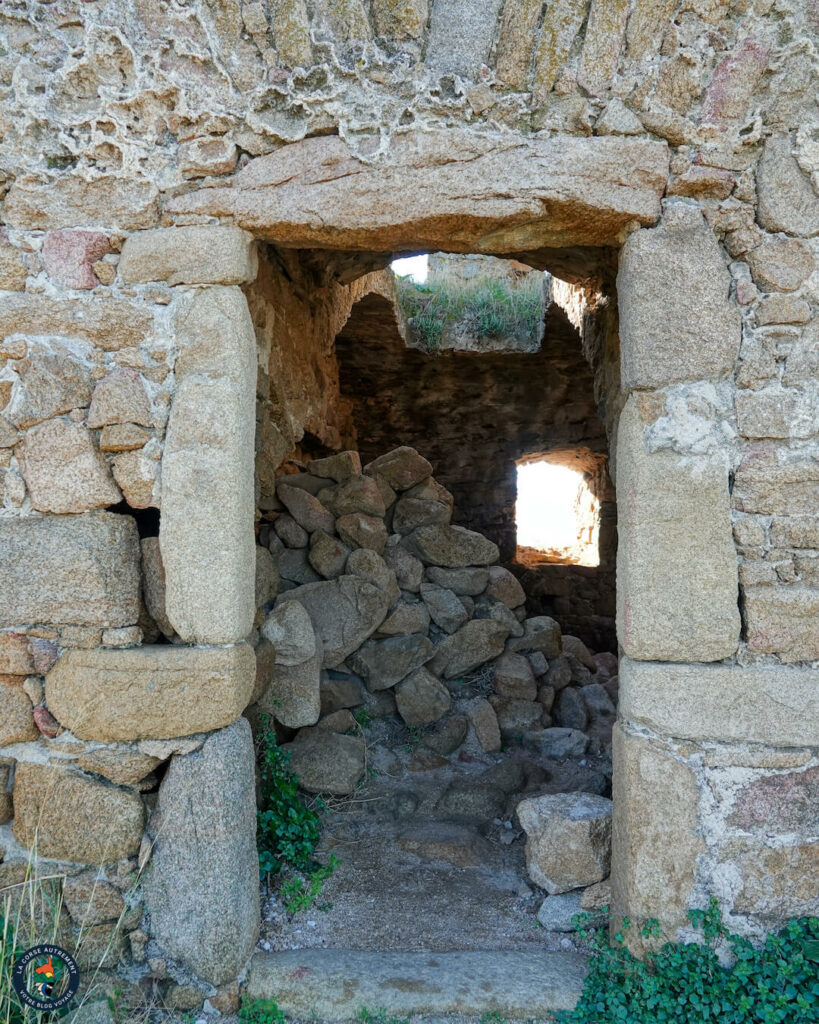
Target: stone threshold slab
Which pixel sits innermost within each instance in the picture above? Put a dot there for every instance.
(335, 984)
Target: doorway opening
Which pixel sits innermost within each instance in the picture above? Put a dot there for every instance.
(492, 677)
(412, 268)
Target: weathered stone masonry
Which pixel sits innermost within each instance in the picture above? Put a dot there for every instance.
(474, 414)
(148, 156)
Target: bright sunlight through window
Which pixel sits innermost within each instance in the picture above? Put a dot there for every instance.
(557, 515)
(414, 267)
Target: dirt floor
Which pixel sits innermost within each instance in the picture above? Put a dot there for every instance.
(430, 856)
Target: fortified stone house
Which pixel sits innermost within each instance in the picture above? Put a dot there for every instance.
(197, 206)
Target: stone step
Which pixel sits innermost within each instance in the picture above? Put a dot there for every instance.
(336, 984)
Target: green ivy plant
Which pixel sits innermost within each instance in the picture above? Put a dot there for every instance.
(777, 983)
(287, 829)
(379, 1015)
(363, 718)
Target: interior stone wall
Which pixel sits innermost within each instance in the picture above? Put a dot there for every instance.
(680, 136)
(475, 414)
(297, 308)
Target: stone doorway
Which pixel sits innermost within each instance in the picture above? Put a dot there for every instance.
(422, 759)
(568, 207)
(275, 269)
(127, 253)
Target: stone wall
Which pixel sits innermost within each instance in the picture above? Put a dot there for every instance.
(675, 141)
(467, 271)
(298, 307)
(135, 396)
(475, 414)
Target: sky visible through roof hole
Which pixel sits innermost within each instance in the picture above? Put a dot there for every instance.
(414, 267)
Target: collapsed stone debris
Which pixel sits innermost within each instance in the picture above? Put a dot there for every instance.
(407, 673)
(383, 603)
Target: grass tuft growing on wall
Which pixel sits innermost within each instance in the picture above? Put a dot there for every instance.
(490, 309)
(32, 913)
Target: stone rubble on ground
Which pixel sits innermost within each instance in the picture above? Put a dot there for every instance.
(405, 606)
(568, 840)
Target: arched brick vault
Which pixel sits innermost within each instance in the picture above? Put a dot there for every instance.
(474, 415)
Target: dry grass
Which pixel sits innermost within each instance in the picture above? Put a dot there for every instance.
(491, 308)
